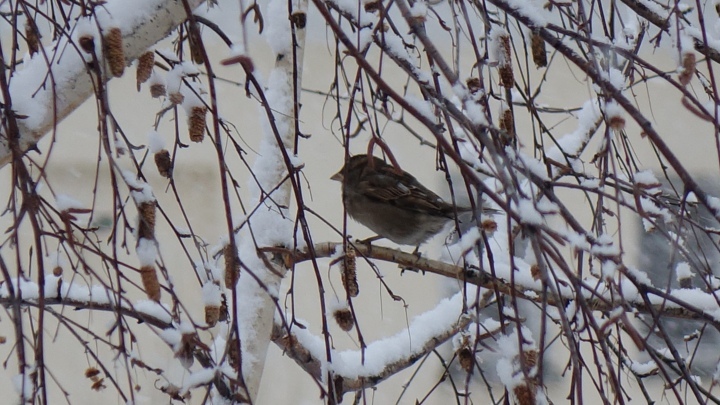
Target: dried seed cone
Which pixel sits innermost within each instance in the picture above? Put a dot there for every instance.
(87, 43)
(525, 394)
(196, 123)
(507, 79)
(344, 319)
(145, 65)
(617, 123)
(489, 225)
(195, 45)
(349, 273)
(507, 125)
(537, 46)
(114, 51)
(187, 347)
(31, 37)
(535, 272)
(164, 163)
(157, 90)
(176, 98)
(299, 19)
(224, 315)
(232, 267)
(212, 315)
(474, 84)
(150, 282)
(466, 359)
(146, 225)
(688, 64)
(57, 271)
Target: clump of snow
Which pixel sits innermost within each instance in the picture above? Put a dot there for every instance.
(384, 352)
(419, 9)
(508, 366)
(465, 244)
(614, 111)
(497, 54)
(23, 383)
(154, 309)
(147, 251)
(525, 208)
(572, 143)
(646, 177)
(155, 142)
(198, 379)
(277, 31)
(64, 202)
(140, 191)
(422, 106)
(605, 246)
(531, 9)
(211, 294)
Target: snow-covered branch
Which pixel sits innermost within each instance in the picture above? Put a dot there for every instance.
(56, 80)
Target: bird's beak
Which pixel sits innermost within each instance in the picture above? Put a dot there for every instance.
(337, 176)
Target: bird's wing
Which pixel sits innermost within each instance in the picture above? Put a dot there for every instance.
(406, 193)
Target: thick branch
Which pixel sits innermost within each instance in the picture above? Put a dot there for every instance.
(47, 92)
(670, 304)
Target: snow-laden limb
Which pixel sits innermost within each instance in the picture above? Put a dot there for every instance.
(46, 96)
(637, 292)
(357, 369)
(80, 296)
(259, 290)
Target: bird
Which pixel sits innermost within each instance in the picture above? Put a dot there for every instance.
(391, 202)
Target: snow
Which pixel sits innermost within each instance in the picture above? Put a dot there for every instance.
(140, 191)
(646, 177)
(573, 142)
(419, 9)
(531, 9)
(508, 368)
(386, 351)
(154, 309)
(465, 244)
(147, 251)
(198, 378)
(277, 31)
(422, 106)
(714, 204)
(683, 271)
(64, 202)
(535, 166)
(497, 54)
(614, 111)
(155, 142)
(527, 212)
(643, 369)
(173, 79)
(34, 97)
(211, 294)
(23, 384)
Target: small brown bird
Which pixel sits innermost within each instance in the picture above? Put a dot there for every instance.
(391, 202)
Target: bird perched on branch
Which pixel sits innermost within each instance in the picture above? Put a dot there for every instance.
(391, 202)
